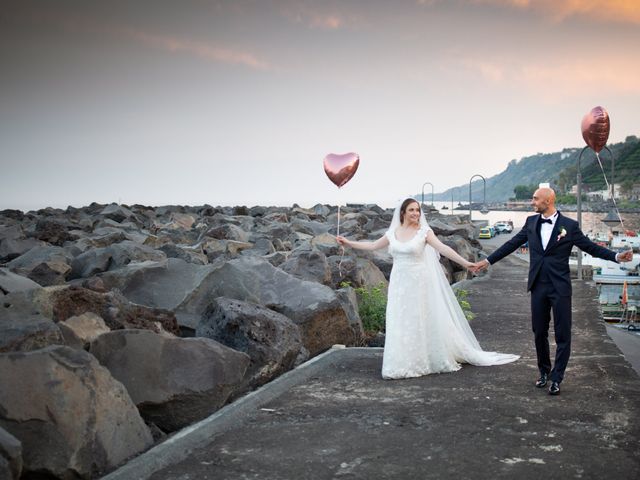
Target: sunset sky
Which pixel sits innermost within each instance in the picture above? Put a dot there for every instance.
(237, 102)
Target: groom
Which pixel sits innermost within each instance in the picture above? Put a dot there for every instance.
(551, 236)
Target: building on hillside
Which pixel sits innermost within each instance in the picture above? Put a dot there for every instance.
(604, 194)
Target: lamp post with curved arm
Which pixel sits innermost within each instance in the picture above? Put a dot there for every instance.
(427, 183)
(579, 199)
(451, 201)
(484, 200)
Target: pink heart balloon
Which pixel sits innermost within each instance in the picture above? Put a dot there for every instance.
(595, 128)
(341, 168)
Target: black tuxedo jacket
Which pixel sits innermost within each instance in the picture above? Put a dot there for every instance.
(553, 261)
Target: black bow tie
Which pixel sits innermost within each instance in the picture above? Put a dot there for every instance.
(548, 220)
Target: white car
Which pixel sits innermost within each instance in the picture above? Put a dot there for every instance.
(502, 227)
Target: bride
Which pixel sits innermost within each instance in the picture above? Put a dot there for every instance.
(426, 330)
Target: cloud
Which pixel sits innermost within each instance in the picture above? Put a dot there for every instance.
(168, 43)
(199, 49)
(319, 17)
(622, 11)
(556, 80)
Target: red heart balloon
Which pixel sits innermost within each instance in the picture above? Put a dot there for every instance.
(341, 168)
(595, 128)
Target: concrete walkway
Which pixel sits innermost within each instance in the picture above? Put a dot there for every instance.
(334, 417)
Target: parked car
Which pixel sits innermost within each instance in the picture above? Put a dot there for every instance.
(503, 227)
(485, 232)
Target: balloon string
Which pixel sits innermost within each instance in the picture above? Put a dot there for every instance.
(611, 190)
(341, 247)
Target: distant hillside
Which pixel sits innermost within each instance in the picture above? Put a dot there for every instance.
(559, 168)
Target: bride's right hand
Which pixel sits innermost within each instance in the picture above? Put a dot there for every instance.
(341, 240)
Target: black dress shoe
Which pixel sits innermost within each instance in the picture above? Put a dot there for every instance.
(542, 381)
(554, 389)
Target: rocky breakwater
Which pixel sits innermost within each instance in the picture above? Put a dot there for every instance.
(120, 325)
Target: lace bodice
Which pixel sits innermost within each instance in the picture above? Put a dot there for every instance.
(409, 252)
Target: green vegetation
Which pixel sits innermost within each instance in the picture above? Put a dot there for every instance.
(373, 306)
(560, 168)
(566, 199)
(627, 164)
(461, 295)
(524, 192)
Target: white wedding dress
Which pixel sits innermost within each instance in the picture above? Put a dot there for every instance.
(426, 330)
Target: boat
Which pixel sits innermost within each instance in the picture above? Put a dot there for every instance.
(618, 284)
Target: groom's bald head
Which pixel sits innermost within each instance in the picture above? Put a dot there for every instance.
(544, 201)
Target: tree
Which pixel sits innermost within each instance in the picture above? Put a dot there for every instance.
(626, 187)
(524, 192)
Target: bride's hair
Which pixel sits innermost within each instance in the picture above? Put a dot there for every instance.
(403, 208)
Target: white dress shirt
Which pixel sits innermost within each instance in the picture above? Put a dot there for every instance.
(547, 228)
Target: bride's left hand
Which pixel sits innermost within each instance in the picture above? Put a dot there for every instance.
(472, 267)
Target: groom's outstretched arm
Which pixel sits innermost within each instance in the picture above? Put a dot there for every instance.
(510, 246)
(593, 249)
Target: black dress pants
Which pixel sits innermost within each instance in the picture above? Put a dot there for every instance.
(544, 300)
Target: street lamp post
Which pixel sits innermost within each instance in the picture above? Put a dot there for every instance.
(579, 202)
(484, 200)
(451, 201)
(427, 183)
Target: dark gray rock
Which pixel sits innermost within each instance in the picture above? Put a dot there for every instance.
(308, 264)
(52, 231)
(188, 254)
(61, 303)
(276, 259)
(10, 456)
(315, 308)
(326, 243)
(99, 240)
(188, 290)
(45, 265)
(17, 215)
(173, 381)
(112, 257)
(23, 327)
(443, 229)
(261, 246)
(309, 227)
(228, 232)
(349, 301)
(78, 422)
(12, 282)
(117, 213)
(11, 248)
(381, 259)
(359, 272)
(271, 340)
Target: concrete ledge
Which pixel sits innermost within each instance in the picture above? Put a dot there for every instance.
(182, 443)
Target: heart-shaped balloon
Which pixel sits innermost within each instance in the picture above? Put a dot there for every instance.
(341, 168)
(595, 128)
